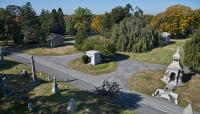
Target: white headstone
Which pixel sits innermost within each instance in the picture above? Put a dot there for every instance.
(54, 87)
(188, 109)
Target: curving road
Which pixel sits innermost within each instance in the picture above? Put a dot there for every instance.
(142, 104)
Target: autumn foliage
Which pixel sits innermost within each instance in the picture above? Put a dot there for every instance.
(96, 23)
(176, 20)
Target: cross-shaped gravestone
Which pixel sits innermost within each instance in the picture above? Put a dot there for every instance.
(34, 77)
(54, 86)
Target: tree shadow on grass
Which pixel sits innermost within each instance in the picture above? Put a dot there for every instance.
(7, 64)
(57, 103)
(120, 57)
(19, 87)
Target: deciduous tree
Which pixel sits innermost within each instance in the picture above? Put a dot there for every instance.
(96, 23)
(176, 19)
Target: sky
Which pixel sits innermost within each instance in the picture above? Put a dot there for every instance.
(101, 6)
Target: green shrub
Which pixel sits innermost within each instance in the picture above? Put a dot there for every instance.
(85, 59)
(135, 35)
(192, 51)
(105, 46)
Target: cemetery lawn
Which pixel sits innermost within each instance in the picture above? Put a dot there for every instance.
(147, 82)
(106, 66)
(63, 50)
(162, 55)
(22, 91)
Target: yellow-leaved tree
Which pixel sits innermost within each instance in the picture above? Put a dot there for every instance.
(176, 19)
(96, 23)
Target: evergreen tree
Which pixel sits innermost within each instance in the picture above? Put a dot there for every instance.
(135, 35)
(61, 21)
(30, 23)
(57, 22)
(9, 30)
(192, 51)
(80, 37)
(114, 17)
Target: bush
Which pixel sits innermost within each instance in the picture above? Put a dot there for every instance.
(105, 46)
(85, 59)
(191, 51)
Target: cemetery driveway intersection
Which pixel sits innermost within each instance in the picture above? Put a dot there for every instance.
(56, 66)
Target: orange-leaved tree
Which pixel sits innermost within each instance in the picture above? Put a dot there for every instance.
(96, 23)
(177, 20)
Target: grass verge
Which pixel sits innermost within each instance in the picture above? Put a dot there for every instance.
(63, 50)
(105, 67)
(146, 82)
(162, 55)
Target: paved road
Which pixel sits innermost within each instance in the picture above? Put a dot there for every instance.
(55, 66)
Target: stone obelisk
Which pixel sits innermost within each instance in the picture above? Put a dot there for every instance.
(34, 77)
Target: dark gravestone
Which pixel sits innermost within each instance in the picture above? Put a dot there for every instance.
(34, 77)
(4, 86)
(1, 56)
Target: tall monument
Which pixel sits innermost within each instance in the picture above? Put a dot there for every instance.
(174, 73)
(34, 77)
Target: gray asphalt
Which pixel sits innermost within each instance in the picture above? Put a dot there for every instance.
(142, 104)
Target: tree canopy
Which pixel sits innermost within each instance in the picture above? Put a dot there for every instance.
(9, 30)
(96, 23)
(135, 35)
(176, 19)
(105, 46)
(29, 23)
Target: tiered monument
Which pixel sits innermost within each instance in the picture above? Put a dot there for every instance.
(174, 73)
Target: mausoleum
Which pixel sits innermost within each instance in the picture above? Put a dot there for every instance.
(94, 57)
(174, 73)
(55, 40)
(166, 37)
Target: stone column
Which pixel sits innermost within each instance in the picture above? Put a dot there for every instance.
(34, 77)
(54, 86)
(1, 54)
(5, 87)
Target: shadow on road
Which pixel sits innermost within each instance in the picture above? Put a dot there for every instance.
(128, 100)
(120, 57)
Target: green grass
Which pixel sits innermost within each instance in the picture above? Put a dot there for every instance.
(162, 55)
(105, 67)
(63, 50)
(22, 91)
(147, 82)
(190, 93)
